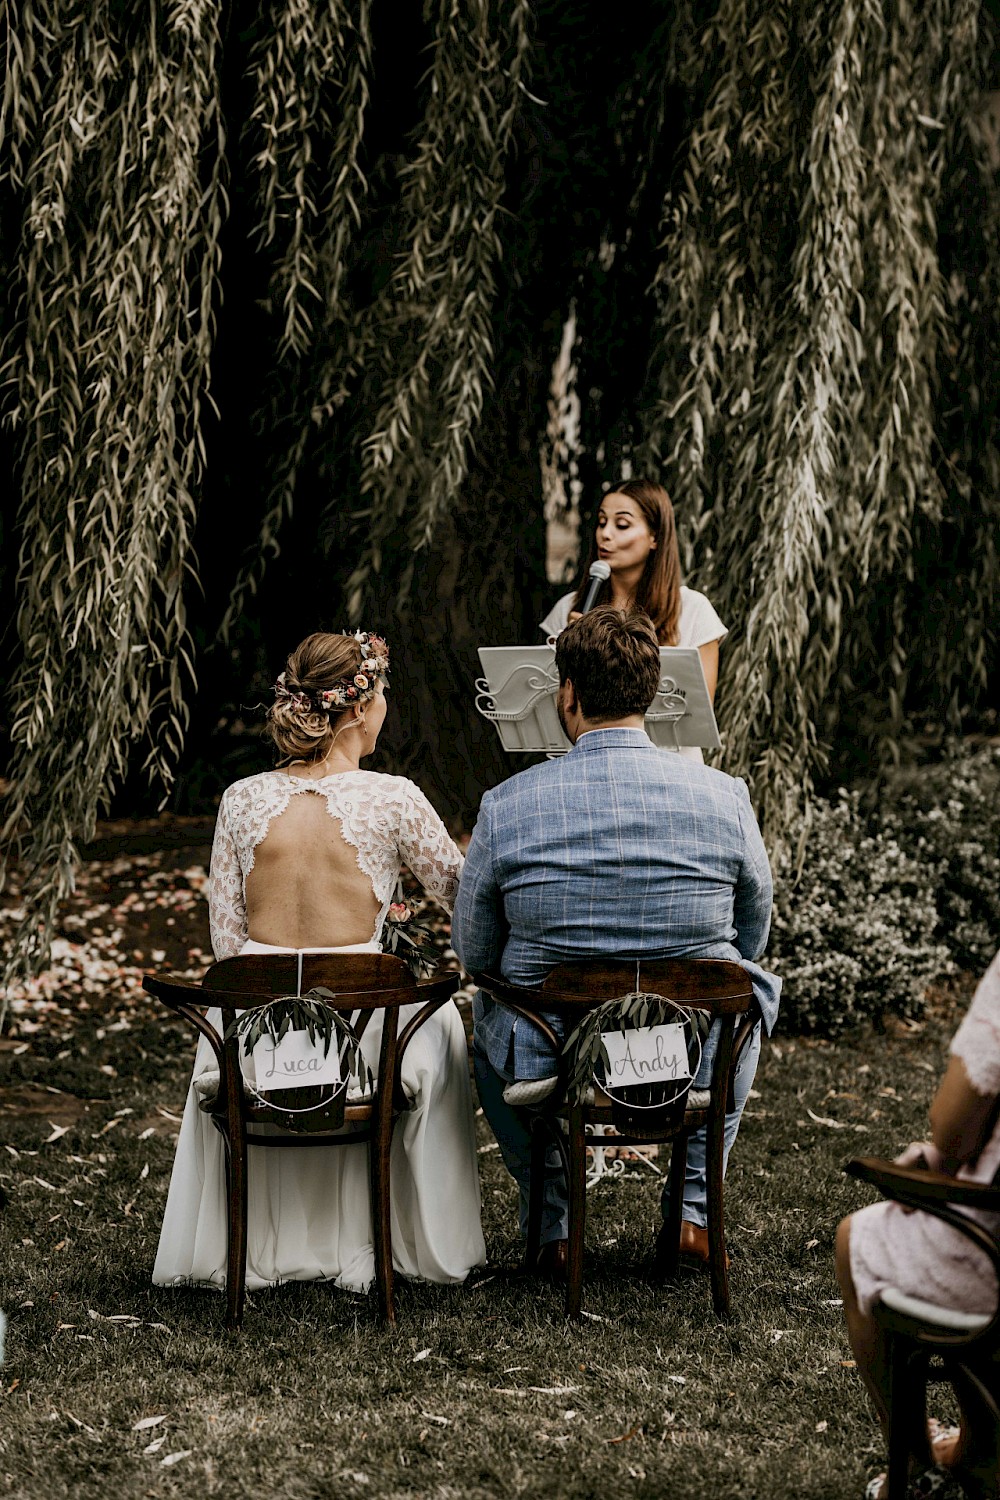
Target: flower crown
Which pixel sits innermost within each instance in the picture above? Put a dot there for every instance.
(359, 688)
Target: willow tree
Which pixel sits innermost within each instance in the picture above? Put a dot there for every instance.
(366, 225)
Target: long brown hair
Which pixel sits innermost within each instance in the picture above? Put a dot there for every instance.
(659, 589)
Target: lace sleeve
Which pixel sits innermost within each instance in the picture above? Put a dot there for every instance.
(977, 1040)
(427, 848)
(227, 913)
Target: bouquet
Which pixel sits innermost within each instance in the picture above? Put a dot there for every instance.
(409, 939)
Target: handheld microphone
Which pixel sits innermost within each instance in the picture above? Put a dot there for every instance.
(599, 573)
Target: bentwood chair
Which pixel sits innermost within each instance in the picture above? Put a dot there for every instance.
(361, 984)
(926, 1342)
(719, 990)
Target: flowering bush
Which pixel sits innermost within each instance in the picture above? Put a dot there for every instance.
(887, 902)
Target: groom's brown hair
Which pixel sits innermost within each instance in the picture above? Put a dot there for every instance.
(612, 658)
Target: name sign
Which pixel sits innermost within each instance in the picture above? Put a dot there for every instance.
(649, 1054)
(294, 1062)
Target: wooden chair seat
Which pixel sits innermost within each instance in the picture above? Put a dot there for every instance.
(721, 990)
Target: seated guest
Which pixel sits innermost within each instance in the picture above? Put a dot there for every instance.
(305, 860)
(887, 1245)
(616, 849)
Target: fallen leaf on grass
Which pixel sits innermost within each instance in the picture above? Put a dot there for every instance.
(175, 1458)
(57, 1131)
(422, 1355)
(821, 1426)
(826, 1120)
(145, 1422)
(625, 1437)
(441, 1421)
(145, 1134)
(155, 1445)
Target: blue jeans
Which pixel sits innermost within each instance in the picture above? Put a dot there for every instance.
(512, 1128)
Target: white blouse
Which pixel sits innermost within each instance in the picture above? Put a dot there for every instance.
(698, 623)
(387, 819)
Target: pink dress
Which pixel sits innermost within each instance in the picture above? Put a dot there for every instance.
(917, 1253)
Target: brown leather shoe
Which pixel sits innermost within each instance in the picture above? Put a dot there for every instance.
(553, 1259)
(694, 1243)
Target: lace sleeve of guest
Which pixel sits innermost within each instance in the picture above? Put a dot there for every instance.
(227, 914)
(977, 1040)
(427, 848)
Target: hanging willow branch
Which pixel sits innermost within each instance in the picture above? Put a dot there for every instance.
(112, 130)
(432, 324)
(803, 318)
(311, 80)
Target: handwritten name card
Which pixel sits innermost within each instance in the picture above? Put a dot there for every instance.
(294, 1062)
(649, 1054)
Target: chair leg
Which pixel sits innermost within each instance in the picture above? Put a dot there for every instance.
(907, 1410)
(379, 1149)
(716, 1219)
(577, 1212)
(668, 1244)
(978, 1395)
(536, 1190)
(236, 1261)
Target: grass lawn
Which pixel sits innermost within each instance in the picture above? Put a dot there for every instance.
(482, 1390)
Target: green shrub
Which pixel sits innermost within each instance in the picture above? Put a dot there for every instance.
(948, 816)
(854, 937)
(890, 899)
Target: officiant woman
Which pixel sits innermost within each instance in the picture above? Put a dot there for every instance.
(637, 538)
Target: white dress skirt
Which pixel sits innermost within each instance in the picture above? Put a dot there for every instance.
(309, 1211)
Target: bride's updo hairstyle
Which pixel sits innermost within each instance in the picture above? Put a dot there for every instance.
(325, 676)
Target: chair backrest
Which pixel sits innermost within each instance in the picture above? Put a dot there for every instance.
(360, 984)
(717, 987)
(712, 984)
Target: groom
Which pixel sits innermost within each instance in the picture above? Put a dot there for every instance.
(616, 849)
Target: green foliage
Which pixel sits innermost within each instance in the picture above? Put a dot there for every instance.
(947, 816)
(804, 324)
(112, 138)
(887, 902)
(854, 937)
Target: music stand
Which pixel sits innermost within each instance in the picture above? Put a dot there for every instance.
(517, 693)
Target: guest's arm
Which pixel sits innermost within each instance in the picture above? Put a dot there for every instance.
(227, 911)
(479, 927)
(754, 888)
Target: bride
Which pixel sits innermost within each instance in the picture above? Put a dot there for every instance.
(306, 859)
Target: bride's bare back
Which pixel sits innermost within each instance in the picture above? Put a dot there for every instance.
(313, 863)
(305, 889)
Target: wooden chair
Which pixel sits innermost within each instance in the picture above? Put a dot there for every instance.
(927, 1342)
(365, 983)
(721, 990)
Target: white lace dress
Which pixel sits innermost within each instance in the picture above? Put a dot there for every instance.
(309, 1211)
(913, 1251)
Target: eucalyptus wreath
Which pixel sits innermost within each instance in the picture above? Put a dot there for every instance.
(585, 1050)
(312, 1013)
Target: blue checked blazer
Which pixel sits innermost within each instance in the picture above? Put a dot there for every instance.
(616, 848)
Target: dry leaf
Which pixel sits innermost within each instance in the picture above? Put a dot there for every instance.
(145, 1422)
(175, 1458)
